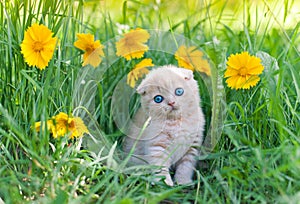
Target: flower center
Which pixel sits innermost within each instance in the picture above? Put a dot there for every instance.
(90, 49)
(130, 43)
(243, 71)
(37, 46)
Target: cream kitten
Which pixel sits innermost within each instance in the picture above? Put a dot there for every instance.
(170, 103)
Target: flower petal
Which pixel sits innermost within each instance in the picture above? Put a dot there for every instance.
(230, 72)
(191, 58)
(251, 81)
(78, 128)
(93, 49)
(92, 59)
(138, 71)
(132, 44)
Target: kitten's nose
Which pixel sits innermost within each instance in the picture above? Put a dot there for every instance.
(171, 103)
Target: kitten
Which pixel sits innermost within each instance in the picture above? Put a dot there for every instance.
(170, 110)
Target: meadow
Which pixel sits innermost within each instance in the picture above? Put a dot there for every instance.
(252, 134)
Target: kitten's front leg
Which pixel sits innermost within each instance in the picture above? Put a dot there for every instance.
(185, 167)
(164, 164)
(160, 157)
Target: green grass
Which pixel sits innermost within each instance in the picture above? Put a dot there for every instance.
(257, 157)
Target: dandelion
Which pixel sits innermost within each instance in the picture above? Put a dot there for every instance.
(243, 70)
(61, 125)
(93, 49)
(38, 46)
(191, 58)
(138, 71)
(132, 44)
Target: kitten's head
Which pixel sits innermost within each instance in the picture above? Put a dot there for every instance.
(169, 92)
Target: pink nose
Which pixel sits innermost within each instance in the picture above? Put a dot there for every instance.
(171, 103)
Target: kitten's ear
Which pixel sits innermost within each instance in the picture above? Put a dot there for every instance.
(187, 74)
(141, 90)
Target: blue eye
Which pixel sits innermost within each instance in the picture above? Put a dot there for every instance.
(179, 91)
(158, 99)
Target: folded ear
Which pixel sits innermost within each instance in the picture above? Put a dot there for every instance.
(187, 74)
(141, 89)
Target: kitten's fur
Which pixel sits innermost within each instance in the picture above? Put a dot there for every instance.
(176, 124)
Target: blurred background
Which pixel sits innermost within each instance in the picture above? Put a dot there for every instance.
(165, 13)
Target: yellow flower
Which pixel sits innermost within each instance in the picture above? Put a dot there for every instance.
(38, 46)
(243, 70)
(93, 49)
(138, 71)
(77, 127)
(62, 124)
(191, 58)
(132, 44)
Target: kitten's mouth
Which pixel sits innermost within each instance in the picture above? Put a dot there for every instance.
(172, 109)
(173, 113)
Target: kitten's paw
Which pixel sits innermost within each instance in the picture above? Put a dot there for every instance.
(169, 181)
(181, 180)
(164, 172)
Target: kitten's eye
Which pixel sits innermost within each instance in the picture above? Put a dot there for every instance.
(179, 91)
(158, 99)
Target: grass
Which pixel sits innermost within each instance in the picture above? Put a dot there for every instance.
(257, 157)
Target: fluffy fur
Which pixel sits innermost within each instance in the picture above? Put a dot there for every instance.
(174, 126)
